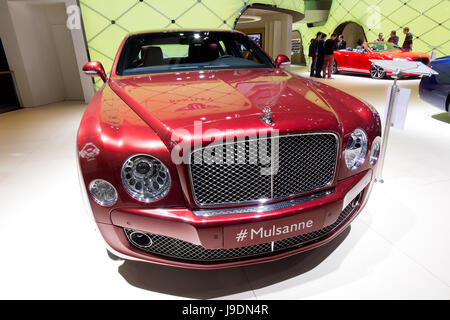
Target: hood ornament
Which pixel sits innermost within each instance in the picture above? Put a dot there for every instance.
(267, 116)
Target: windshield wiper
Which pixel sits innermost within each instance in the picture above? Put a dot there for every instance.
(217, 66)
(188, 67)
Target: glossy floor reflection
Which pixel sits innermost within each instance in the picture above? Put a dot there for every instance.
(399, 247)
(238, 283)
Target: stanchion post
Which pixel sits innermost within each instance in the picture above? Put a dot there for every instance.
(387, 126)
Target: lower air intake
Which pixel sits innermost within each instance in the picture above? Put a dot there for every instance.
(179, 249)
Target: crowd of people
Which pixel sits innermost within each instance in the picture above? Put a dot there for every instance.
(321, 55)
(393, 38)
(321, 50)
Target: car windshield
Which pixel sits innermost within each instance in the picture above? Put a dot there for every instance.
(189, 51)
(383, 46)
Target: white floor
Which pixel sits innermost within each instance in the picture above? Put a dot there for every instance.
(399, 247)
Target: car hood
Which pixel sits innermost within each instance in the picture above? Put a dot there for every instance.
(404, 54)
(229, 99)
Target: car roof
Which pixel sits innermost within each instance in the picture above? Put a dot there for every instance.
(181, 30)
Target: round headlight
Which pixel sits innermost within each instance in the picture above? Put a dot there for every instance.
(145, 178)
(103, 192)
(356, 150)
(375, 153)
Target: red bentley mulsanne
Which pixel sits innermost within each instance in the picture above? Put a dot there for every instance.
(357, 60)
(200, 151)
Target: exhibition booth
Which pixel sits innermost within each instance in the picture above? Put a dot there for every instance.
(203, 149)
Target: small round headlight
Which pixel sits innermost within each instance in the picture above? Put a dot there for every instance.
(103, 192)
(145, 178)
(356, 150)
(375, 153)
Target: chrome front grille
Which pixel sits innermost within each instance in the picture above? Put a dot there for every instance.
(179, 249)
(306, 162)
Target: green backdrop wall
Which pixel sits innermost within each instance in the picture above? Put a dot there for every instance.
(428, 20)
(106, 22)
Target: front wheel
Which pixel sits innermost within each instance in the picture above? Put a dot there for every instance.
(335, 69)
(377, 72)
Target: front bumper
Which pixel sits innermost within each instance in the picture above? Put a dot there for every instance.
(184, 239)
(431, 95)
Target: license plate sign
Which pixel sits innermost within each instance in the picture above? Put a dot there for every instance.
(273, 230)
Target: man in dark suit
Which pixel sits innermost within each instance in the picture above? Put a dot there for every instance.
(320, 55)
(342, 44)
(314, 58)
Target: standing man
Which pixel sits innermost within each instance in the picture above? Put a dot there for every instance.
(311, 54)
(393, 38)
(407, 44)
(329, 56)
(314, 57)
(380, 38)
(342, 44)
(320, 55)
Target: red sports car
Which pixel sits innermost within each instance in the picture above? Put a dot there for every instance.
(358, 60)
(199, 151)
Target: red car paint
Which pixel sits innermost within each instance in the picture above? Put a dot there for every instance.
(136, 114)
(359, 62)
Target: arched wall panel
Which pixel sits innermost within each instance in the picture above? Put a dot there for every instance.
(429, 21)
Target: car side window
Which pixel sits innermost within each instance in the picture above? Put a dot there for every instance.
(244, 52)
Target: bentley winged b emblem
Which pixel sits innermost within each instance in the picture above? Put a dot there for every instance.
(267, 116)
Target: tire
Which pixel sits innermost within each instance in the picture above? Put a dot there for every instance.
(377, 72)
(335, 69)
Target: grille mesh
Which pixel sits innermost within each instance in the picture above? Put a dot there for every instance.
(237, 172)
(179, 249)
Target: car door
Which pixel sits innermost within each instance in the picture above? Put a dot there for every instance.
(364, 62)
(342, 58)
(352, 59)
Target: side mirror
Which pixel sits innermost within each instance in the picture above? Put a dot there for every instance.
(95, 69)
(281, 59)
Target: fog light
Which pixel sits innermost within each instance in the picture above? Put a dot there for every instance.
(140, 239)
(355, 201)
(103, 192)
